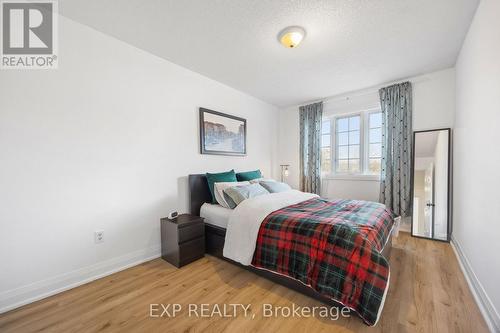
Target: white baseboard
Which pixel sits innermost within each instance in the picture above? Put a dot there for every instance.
(486, 307)
(15, 298)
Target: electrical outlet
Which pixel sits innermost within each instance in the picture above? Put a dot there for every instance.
(99, 236)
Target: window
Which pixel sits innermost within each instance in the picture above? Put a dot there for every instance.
(375, 142)
(352, 144)
(326, 151)
(347, 138)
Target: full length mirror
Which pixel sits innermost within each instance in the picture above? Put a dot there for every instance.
(431, 184)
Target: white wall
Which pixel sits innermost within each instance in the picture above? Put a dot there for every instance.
(433, 107)
(104, 142)
(288, 143)
(476, 226)
(434, 100)
(345, 188)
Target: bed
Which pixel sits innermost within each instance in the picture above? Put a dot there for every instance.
(218, 241)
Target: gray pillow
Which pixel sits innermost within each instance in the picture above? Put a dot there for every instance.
(230, 202)
(236, 194)
(274, 187)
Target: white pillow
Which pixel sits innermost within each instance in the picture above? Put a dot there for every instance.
(220, 187)
(258, 180)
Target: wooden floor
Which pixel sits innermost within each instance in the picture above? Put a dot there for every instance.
(428, 293)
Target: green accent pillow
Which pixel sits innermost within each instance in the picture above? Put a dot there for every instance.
(221, 177)
(248, 176)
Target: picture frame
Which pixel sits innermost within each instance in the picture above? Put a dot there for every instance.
(222, 134)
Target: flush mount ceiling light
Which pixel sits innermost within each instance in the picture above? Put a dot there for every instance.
(290, 37)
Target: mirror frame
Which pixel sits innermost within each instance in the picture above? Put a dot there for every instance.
(449, 205)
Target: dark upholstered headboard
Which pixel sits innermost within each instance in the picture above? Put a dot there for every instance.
(199, 193)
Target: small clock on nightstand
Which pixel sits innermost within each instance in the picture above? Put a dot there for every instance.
(182, 239)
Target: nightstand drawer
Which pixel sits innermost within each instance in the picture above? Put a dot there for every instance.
(193, 249)
(191, 232)
(182, 239)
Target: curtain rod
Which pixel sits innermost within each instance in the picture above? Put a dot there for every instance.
(366, 91)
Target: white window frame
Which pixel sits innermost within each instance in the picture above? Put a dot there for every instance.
(367, 141)
(361, 138)
(364, 139)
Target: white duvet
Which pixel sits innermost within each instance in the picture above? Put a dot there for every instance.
(244, 223)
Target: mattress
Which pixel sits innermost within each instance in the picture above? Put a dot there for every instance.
(215, 214)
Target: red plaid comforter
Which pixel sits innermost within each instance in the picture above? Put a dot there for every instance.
(332, 246)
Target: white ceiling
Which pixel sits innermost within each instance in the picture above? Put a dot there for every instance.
(350, 44)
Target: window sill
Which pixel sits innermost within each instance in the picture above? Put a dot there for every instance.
(361, 177)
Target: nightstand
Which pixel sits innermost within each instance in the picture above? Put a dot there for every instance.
(182, 239)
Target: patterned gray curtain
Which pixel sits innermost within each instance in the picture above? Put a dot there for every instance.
(310, 147)
(395, 185)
